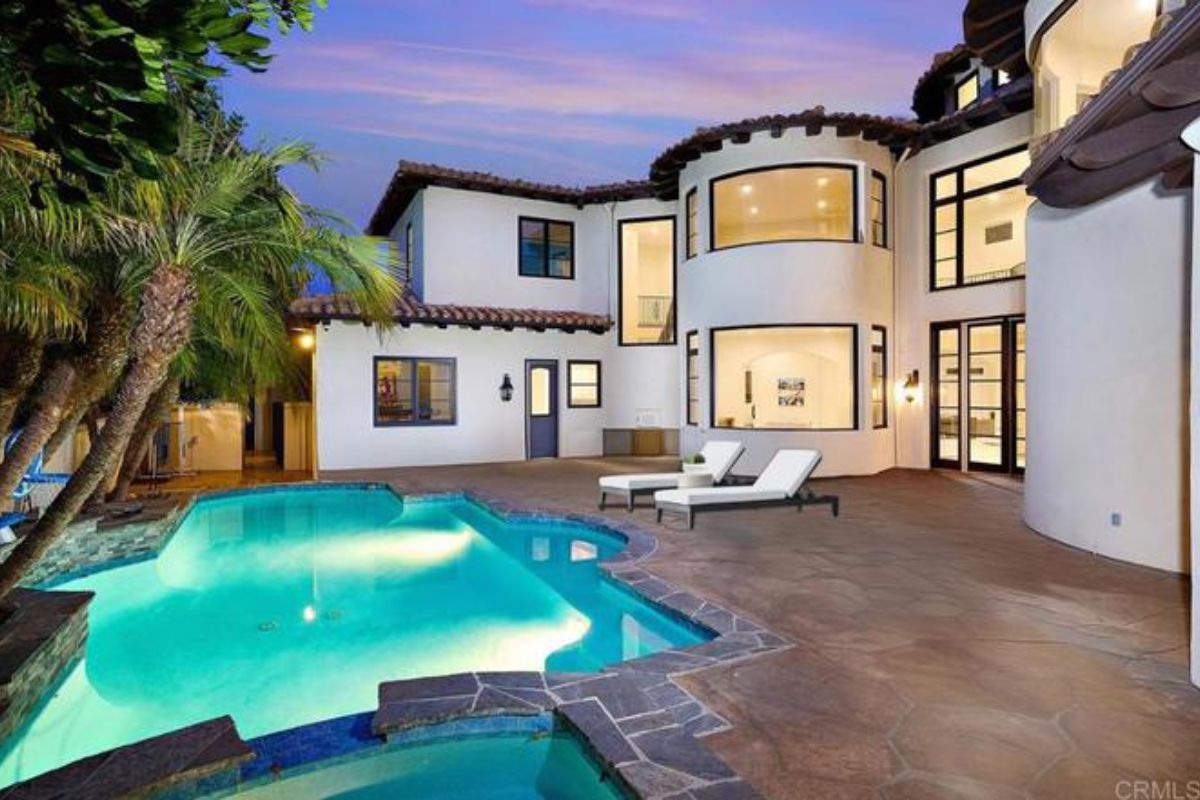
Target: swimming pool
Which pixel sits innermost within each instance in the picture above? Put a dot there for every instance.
(284, 607)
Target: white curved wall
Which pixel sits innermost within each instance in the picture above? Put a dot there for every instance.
(784, 283)
(1107, 389)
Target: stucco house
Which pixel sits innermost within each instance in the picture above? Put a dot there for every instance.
(1001, 284)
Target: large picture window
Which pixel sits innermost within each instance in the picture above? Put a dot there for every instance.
(693, 378)
(977, 221)
(786, 377)
(810, 202)
(547, 248)
(414, 391)
(583, 384)
(646, 274)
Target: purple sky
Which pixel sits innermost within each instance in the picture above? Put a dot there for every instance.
(568, 91)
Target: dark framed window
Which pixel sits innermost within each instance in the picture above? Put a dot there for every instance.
(583, 384)
(793, 377)
(977, 221)
(791, 203)
(693, 378)
(646, 281)
(546, 248)
(879, 210)
(967, 90)
(879, 377)
(414, 391)
(410, 250)
(691, 205)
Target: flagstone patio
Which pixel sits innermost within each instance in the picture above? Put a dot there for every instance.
(942, 649)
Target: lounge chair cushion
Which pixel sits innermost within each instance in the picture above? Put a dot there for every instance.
(645, 482)
(716, 494)
(720, 456)
(788, 471)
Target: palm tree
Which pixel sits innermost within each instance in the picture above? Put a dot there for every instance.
(215, 229)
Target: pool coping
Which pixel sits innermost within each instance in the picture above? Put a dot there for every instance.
(638, 723)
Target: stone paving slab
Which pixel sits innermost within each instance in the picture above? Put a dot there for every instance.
(149, 768)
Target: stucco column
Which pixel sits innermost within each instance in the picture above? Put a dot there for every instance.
(1192, 137)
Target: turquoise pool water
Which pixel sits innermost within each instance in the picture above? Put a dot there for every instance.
(497, 768)
(285, 607)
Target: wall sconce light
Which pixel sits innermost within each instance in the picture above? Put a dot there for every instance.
(306, 341)
(506, 388)
(912, 387)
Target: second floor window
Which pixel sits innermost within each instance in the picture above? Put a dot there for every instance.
(977, 219)
(692, 230)
(646, 272)
(967, 91)
(546, 248)
(807, 202)
(879, 210)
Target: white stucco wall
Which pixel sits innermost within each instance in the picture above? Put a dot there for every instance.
(469, 252)
(916, 305)
(487, 429)
(786, 283)
(1191, 136)
(414, 215)
(1107, 341)
(644, 379)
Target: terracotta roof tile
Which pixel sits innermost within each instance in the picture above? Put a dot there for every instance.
(411, 176)
(410, 310)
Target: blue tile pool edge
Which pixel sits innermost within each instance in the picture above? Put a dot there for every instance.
(735, 638)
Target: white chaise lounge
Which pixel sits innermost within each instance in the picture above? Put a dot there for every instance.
(719, 458)
(781, 483)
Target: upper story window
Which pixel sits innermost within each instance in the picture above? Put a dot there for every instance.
(977, 221)
(967, 91)
(547, 248)
(879, 210)
(414, 391)
(410, 250)
(807, 202)
(646, 275)
(692, 229)
(1079, 49)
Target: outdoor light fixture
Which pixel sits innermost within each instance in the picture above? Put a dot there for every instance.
(912, 387)
(306, 341)
(506, 388)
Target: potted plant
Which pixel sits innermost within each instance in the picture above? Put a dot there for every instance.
(694, 463)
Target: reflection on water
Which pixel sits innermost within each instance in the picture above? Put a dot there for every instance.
(288, 607)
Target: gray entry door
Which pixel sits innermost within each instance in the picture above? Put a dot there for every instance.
(541, 409)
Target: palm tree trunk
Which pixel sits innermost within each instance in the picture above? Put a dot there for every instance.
(158, 407)
(98, 364)
(44, 418)
(162, 329)
(18, 371)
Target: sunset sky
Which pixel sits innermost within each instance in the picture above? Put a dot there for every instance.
(568, 91)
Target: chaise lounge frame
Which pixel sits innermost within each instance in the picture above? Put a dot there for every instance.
(801, 498)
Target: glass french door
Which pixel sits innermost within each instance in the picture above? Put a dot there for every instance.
(979, 395)
(945, 395)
